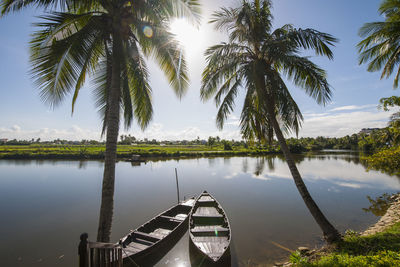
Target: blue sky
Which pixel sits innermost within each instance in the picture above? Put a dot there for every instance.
(355, 91)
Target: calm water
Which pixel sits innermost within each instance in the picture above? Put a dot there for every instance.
(46, 205)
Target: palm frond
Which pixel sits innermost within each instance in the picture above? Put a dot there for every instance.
(140, 91)
(101, 85)
(314, 40)
(380, 47)
(223, 62)
(63, 53)
(227, 105)
(305, 74)
(8, 6)
(257, 57)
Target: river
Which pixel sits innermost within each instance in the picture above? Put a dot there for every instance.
(45, 205)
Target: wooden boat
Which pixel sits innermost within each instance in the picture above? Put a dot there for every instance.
(153, 239)
(209, 229)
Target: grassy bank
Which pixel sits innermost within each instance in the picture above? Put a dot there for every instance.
(381, 249)
(124, 151)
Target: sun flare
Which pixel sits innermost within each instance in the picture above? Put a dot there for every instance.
(188, 35)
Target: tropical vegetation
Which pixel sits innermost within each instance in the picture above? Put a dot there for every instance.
(380, 50)
(381, 249)
(256, 58)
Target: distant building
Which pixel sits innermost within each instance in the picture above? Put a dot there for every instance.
(4, 140)
(368, 130)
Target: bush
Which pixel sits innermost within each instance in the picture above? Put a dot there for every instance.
(387, 160)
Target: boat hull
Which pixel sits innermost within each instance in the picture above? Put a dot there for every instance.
(198, 258)
(146, 245)
(209, 232)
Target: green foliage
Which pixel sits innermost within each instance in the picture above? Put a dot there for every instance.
(380, 48)
(381, 249)
(383, 258)
(387, 161)
(257, 57)
(379, 205)
(52, 151)
(297, 258)
(227, 145)
(211, 141)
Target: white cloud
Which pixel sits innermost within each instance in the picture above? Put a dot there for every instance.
(345, 123)
(352, 185)
(354, 107)
(154, 131)
(16, 128)
(46, 134)
(261, 177)
(232, 175)
(158, 131)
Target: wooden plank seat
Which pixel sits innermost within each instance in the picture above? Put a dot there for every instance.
(207, 216)
(207, 212)
(205, 198)
(130, 250)
(181, 216)
(172, 219)
(209, 228)
(206, 201)
(161, 232)
(136, 246)
(147, 236)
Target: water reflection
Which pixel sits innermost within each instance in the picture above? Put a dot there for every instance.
(211, 162)
(245, 165)
(345, 170)
(227, 161)
(43, 202)
(196, 259)
(379, 205)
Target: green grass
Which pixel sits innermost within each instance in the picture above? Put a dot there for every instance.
(124, 151)
(381, 249)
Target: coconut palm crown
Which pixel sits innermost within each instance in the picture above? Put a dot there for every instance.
(380, 48)
(107, 41)
(255, 59)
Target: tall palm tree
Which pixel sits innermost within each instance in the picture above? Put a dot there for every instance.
(255, 58)
(107, 39)
(381, 46)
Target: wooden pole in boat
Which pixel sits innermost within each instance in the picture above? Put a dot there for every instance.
(177, 184)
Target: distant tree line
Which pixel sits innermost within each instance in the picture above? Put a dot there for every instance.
(369, 141)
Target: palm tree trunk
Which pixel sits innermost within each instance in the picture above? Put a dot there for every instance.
(330, 233)
(113, 111)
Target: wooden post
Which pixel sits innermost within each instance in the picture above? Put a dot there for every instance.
(83, 251)
(177, 184)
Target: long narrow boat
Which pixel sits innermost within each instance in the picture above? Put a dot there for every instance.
(209, 229)
(154, 238)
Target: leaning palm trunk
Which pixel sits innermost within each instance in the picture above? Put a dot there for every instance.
(107, 197)
(255, 58)
(330, 233)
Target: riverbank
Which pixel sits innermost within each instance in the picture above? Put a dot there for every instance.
(379, 245)
(126, 152)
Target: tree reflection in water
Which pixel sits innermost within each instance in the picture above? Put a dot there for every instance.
(379, 205)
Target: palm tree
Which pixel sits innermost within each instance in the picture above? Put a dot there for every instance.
(381, 46)
(255, 58)
(108, 40)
